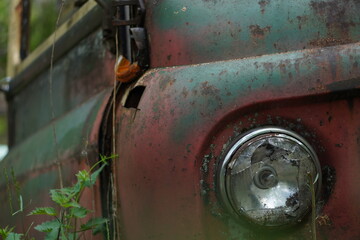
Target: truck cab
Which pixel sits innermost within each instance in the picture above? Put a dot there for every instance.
(241, 121)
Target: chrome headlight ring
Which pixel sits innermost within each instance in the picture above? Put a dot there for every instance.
(264, 176)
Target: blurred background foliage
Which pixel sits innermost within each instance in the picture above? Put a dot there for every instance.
(4, 19)
(43, 16)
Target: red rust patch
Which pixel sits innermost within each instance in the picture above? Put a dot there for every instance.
(335, 14)
(263, 4)
(327, 42)
(258, 32)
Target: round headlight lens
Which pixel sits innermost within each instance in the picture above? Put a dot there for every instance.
(264, 177)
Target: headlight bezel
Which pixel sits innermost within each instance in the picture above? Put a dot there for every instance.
(246, 139)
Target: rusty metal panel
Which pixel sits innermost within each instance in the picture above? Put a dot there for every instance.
(82, 73)
(34, 161)
(269, 70)
(169, 145)
(189, 32)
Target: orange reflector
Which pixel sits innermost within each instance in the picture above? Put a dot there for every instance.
(126, 71)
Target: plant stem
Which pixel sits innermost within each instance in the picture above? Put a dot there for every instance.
(58, 163)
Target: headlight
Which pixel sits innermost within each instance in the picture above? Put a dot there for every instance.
(264, 177)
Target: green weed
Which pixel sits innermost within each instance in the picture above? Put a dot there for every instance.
(66, 217)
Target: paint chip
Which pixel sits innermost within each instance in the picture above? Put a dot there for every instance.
(183, 10)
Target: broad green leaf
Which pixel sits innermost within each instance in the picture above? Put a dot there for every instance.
(58, 197)
(77, 188)
(95, 175)
(101, 228)
(48, 226)
(68, 191)
(14, 236)
(72, 204)
(63, 199)
(53, 234)
(43, 211)
(79, 212)
(93, 223)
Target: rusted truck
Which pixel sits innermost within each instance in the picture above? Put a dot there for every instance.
(241, 121)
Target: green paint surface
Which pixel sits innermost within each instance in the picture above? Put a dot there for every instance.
(197, 92)
(208, 31)
(40, 150)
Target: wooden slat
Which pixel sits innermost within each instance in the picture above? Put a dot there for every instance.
(86, 8)
(69, 34)
(13, 55)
